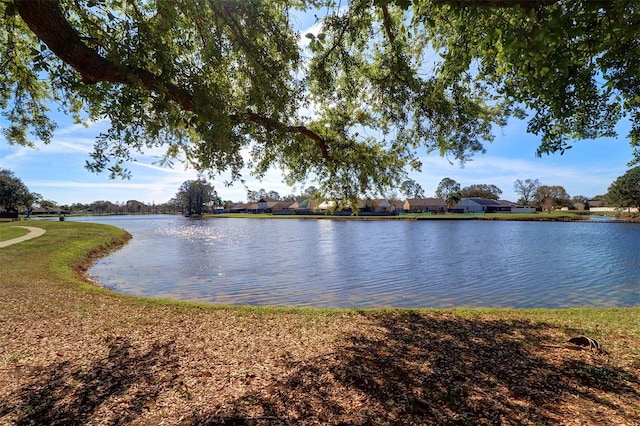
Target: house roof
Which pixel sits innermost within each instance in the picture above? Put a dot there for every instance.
(483, 201)
(243, 206)
(325, 205)
(308, 204)
(236, 206)
(45, 210)
(376, 202)
(416, 202)
(282, 205)
(381, 202)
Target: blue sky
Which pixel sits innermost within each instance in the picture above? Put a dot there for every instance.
(57, 172)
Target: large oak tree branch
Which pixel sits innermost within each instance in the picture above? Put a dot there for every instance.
(387, 24)
(47, 21)
(270, 124)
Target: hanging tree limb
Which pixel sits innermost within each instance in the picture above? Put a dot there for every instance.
(46, 19)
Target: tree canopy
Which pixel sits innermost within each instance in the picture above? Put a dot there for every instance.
(194, 195)
(411, 189)
(449, 190)
(226, 84)
(625, 190)
(14, 194)
(526, 189)
(480, 190)
(549, 196)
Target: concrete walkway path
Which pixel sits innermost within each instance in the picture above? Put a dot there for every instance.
(33, 233)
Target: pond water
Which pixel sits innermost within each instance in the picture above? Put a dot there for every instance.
(339, 263)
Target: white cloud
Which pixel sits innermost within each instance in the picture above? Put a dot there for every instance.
(13, 155)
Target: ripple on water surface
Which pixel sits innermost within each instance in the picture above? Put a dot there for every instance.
(328, 263)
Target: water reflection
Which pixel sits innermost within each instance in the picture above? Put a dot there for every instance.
(330, 263)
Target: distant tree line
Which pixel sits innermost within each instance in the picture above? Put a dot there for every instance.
(530, 191)
(198, 196)
(125, 207)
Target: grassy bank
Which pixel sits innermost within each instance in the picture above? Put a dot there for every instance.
(71, 353)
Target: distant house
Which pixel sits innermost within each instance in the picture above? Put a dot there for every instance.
(242, 208)
(235, 208)
(266, 204)
(378, 205)
(613, 209)
(425, 205)
(48, 210)
(308, 206)
(486, 205)
(481, 205)
(596, 203)
(381, 205)
(520, 209)
(336, 207)
(397, 206)
(327, 205)
(332, 205)
(515, 208)
(285, 207)
(579, 206)
(269, 205)
(9, 215)
(312, 204)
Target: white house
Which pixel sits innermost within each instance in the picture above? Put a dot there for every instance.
(378, 205)
(520, 209)
(327, 205)
(481, 205)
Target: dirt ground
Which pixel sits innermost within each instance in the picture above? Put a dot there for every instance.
(70, 356)
(115, 364)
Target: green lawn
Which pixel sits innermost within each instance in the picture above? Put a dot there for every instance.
(10, 230)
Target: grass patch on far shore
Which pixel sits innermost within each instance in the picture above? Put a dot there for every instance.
(73, 353)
